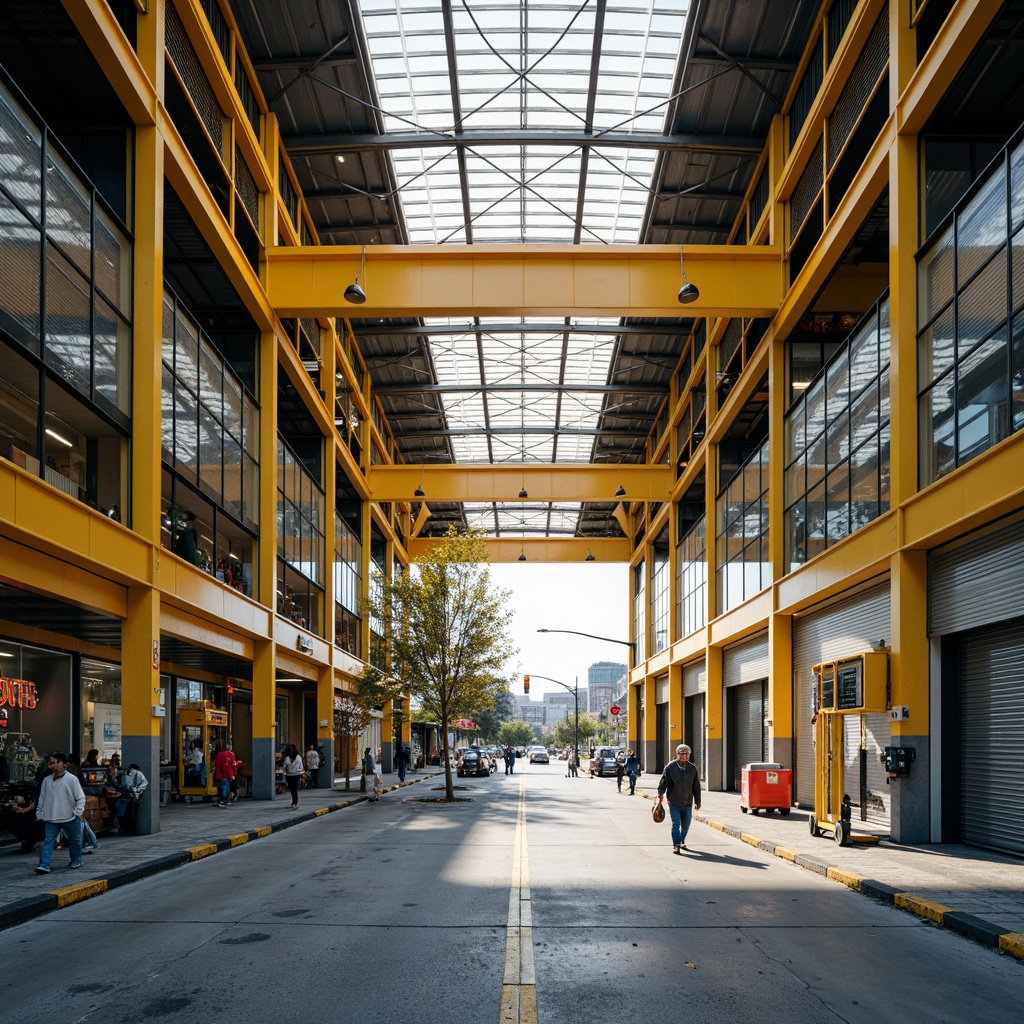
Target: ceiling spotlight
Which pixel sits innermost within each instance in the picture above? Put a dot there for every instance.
(522, 492)
(590, 556)
(353, 293)
(687, 292)
(621, 492)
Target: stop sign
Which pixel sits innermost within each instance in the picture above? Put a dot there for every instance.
(615, 709)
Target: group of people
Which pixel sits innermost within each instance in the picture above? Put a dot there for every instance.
(509, 757)
(57, 807)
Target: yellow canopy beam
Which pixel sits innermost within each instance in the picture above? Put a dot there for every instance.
(573, 482)
(525, 280)
(542, 549)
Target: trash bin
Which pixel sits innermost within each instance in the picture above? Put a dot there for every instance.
(766, 787)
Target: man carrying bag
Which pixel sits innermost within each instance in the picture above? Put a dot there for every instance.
(682, 784)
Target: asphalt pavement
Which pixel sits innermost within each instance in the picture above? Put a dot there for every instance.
(973, 892)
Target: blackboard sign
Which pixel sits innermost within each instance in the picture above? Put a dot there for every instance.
(851, 693)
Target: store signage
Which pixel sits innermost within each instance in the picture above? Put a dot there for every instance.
(17, 693)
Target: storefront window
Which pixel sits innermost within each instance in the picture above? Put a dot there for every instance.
(101, 708)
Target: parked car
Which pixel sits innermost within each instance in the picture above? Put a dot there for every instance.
(473, 762)
(604, 761)
(538, 755)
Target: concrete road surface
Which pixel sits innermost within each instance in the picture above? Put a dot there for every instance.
(541, 898)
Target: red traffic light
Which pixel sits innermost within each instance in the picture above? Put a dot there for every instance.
(526, 684)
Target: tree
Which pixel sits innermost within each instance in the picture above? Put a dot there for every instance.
(565, 729)
(351, 716)
(490, 719)
(446, 626)
(516, 733)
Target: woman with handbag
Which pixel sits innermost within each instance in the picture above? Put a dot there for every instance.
(293, 768)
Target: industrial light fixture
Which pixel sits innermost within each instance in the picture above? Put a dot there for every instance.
(620, 492)
(590, 556)
(522, 555)
(688, 292)
(522, 492)
(419, 492)
(356, 295)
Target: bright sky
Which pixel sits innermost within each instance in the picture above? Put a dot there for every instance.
(589, 597)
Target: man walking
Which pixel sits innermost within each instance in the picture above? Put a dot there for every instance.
(632, 771)
(61, 805)
(223, 774)
(682, 784)
(403, 761)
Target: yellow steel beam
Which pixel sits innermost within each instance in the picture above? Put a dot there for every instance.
(541, 549)
(484, 482)
(527, 280)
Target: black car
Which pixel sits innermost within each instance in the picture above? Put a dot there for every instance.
(473, 762)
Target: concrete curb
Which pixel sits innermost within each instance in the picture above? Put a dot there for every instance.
(46, 902)
(967, 925)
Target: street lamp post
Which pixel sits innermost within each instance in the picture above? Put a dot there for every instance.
(575, 691)
(575, 632)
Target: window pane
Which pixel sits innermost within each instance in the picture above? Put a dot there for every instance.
(981, 307)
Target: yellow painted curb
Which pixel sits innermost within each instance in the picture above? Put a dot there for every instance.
(1012, 942)
(749, 839)
(263, 830)
(74, 893)
(322, 810)
(242, 837)
(925, 908)
(717, 825)
(199, 852)
(785, 853)
(850, 878)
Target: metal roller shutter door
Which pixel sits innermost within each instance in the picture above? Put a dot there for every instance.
(696, 733)
(695, 678)
(748, 702)
(847, 627)
(745, 662)
(992, 724)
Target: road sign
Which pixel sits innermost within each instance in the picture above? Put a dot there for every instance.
(615, 709)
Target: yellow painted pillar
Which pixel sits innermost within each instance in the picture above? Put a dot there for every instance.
(780, 689)
(387, 728)
(649, 745)
(264, 738)
(714, 714)
(140, 695)
(909, 676)
(325, 725)
(675, 707)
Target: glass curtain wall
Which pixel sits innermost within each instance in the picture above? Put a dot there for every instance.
(692, 579)
(209, 448)
(660, 576)
(347, 560)
(300, 540)
(65, 376)
(744, 567)
(837, 443)
(640, 610)
(971, 316)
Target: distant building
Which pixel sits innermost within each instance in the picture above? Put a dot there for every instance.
(609, 672)
(606, 679)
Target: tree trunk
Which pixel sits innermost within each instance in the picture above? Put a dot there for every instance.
(449, 787)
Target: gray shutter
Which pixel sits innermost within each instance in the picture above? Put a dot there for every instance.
(977, 583)
(696, 735)
(750, 710)
(661, 690)
(695, 678)
(992, 722)
(746, 662)
(847, 627)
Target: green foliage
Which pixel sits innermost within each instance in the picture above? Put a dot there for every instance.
(565, 729)
(490, 719)
(516, 733)
(446, 625)
(375, 688)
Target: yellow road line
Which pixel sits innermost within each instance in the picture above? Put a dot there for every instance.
(519, 984)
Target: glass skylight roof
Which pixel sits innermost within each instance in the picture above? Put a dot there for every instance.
(529, 94)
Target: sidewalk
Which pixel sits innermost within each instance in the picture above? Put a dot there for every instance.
(188, 832)
(973, 892)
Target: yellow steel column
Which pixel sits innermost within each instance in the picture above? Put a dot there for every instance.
(325, 725)
(714, 717)
(649, 756)
(909, 673)
(264, 739)
(675, 707)
(140, 694)
(140, 638)
(780, 689)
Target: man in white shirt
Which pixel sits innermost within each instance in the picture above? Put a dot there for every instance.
(61, 805)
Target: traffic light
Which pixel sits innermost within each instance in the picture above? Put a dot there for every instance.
(526, 684)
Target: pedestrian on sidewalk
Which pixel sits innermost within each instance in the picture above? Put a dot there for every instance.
(632, 771)
(61, 805)
(293, 772)
(313, 763)
(224, 774)
(370, 773)
(403, 761)
(682, 784)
